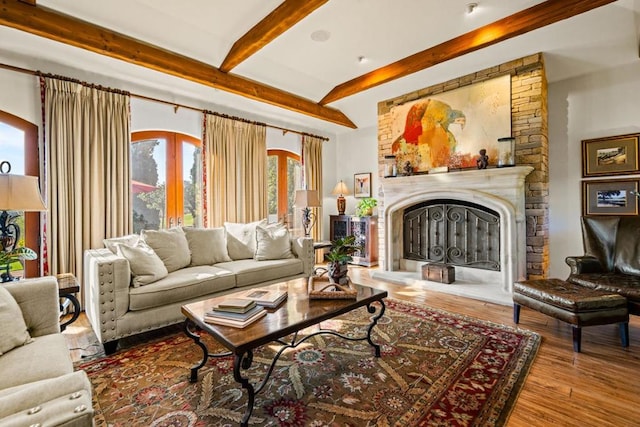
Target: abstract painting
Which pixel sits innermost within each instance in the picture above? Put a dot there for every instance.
(449, 129)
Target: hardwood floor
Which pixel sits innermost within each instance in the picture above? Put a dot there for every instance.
(598, 387)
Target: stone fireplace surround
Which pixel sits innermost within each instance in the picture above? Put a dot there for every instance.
(500, 189)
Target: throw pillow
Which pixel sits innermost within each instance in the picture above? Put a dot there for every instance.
(129, 240)
(14, 331)
(208, 246)
(241, 239)
(170, 245)
(146, 266)
(272, 242)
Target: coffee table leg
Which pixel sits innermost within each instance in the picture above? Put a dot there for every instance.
(243, 361)
(374, 321)
(205, 352)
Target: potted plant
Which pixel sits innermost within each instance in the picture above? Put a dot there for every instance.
(365, 206)
(339, 256)
(15, 255)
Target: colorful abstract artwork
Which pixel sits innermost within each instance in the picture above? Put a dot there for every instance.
(449, 129)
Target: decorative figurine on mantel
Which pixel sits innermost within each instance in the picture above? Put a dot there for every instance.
(483, 160)
(407, 168)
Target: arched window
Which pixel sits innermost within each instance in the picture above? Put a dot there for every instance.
(166, 179)
(19, 142)
(283, 179)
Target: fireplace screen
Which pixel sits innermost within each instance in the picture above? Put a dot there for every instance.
(452, 232)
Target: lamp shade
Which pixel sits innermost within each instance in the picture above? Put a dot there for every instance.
(20, 193)
(340, 188)
(306, 198)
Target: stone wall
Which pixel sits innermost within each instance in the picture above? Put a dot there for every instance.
(529, 125)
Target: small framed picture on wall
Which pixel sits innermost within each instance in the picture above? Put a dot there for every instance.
(613, 197)
(614, 155)
(362, 185)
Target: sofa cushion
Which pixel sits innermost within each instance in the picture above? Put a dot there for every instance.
(47, 357)
(129, 240)
(181, 285)
(241, 239)
(146, 266)
(272, 242)
(249, 271)
(171, 246)
(207, 245)
(13, 332)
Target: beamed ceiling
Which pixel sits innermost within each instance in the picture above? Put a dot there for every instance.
(264, 50)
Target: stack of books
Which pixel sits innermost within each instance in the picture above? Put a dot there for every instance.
(236, 312)
(269, 298)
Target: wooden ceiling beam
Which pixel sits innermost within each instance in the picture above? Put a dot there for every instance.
(519, 23)
(285, 16)
(66, 29)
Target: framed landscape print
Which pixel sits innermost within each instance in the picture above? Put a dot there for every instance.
(614, 155)
(362, 185)
(615, 197)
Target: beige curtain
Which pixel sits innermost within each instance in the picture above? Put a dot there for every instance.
(236, 170)
(312, 164)
(87, 140)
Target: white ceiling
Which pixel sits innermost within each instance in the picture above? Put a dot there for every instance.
(383, 31)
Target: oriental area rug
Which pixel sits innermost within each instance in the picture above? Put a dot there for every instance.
(436, 369)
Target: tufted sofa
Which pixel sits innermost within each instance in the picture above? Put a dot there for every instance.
(120, 301)
(38, 386)
(612, 257)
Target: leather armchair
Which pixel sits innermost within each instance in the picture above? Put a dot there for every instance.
(611, 261)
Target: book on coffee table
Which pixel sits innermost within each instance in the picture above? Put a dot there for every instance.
(265, 297)
(222, 314)
(235, 305)
(218, 320)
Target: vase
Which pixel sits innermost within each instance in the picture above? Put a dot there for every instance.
(337, 272)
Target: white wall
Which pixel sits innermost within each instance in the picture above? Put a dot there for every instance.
(20, 96)
(595, 105)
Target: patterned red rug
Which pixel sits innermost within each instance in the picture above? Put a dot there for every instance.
(436, 369)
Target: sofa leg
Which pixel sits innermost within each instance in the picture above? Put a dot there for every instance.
(110, 347)
(516, 313)
(624, 334)
(577, 337)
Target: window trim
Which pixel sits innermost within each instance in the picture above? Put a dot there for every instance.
(282, 157)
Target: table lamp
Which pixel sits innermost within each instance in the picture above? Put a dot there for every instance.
(340, 189)
(17, 193)
(306, 199)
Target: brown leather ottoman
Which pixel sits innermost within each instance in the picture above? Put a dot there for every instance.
(574, 304)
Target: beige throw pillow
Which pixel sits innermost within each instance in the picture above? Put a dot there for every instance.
(208, 246)
(170, 245)
(13, 332)
(146, 266)
(129, 240)
(241, 239)
(273, 242)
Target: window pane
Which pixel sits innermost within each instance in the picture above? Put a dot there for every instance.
(272, 188)
(148, 184)
(192, 185)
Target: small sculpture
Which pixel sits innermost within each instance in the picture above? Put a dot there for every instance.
(407, 168)
(483, 160)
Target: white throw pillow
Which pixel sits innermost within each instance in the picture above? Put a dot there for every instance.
(241, 239)
(129, 240)
(273, 242)
(208, 246)
(170, 245)
(13, 332)
(146, 266)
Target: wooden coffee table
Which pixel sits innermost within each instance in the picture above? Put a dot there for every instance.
(294, 314)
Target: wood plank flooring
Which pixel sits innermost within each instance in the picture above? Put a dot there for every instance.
(598, 387)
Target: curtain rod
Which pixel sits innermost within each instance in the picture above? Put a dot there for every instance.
(161, 101)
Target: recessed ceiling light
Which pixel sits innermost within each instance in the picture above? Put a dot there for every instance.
(471, 7)
(320, 35)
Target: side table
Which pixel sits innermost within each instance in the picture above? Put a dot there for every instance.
(67, 287)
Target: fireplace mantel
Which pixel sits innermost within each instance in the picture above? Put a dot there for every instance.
(500, 189)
